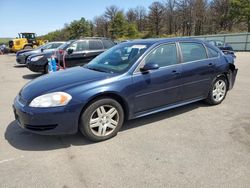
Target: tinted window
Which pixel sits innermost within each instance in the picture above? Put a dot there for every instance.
(56, 45)
(95, 45)
(164, 55)
(48, 46)
(79, 46)
(212, 53)
(192, 51)
(107, 43)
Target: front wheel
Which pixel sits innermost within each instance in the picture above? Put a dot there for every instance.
(27, 47)
(102, 119)
(218, 91)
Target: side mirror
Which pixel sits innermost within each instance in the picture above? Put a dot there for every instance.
(70, 51)
(42, 50)
(149, 66)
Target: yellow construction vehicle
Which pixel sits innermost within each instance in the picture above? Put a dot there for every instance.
(25, 41)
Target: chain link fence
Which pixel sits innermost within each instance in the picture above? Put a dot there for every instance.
(239, 41)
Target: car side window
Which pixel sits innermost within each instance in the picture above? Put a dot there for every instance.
(49, 46)
(163, 55)
(192, 51)
(79, 46)
(219, 43)
(107, 44)
(212, 53)
(95, 45)
(56, 45)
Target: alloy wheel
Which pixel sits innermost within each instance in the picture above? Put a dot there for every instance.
(104, 120)
(219, 90)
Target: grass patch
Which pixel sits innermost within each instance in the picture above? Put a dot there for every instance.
(4, 40)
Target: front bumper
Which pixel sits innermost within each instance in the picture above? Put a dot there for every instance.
(21, 59)
(47, 121)
(35, 68)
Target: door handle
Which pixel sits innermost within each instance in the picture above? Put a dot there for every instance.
(210, 64)
(175, 72)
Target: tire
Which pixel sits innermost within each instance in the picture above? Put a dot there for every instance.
(218, 91)
(107, 117)
(27, 47)
(46, 69)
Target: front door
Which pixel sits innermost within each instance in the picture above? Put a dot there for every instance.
(161, 87)
(79, 55)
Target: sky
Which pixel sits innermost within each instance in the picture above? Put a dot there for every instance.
(43, 16)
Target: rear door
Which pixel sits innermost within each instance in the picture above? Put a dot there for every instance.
(95, 48)
(197, 70)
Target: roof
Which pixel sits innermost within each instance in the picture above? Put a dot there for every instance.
(163, 40)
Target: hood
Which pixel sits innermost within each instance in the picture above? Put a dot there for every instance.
(60, 81)
(23, 51)
(38, 52)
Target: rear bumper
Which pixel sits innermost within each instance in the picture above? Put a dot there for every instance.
(47, 121)
(232, 77)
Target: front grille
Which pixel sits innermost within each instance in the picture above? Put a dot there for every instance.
(40, 127)
(22, 100)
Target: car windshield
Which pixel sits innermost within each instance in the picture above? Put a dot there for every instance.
(119, 58)
(65, 45)
(45, 46)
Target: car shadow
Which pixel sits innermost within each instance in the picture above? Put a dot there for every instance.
(19, 66)
(31, 76)
(162, 115)
(23, 140)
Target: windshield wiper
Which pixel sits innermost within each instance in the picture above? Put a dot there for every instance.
(96, 69)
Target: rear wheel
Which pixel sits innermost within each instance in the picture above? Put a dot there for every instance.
(46, 69)
(102, 119)
(218, 91)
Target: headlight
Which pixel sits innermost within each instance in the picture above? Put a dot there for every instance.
(36, 58)
(51, 100)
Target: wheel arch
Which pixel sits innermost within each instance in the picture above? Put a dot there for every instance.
(111, 95)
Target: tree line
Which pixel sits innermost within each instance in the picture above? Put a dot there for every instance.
(162, 19)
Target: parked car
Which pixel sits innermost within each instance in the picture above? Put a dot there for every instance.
(3, 49)
(224, 47)
(130, 80)
(78, 52)
(21, 56)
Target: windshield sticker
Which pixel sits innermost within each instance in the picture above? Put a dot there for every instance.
(139, 46)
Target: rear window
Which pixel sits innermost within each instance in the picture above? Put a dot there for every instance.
(192, 51)
(95, 45)
(107, 44)
(212, 53)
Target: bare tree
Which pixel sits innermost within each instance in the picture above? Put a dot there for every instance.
(101, 26)
(141, 14)
(131, 15)
(170, 15)
(220, 13)
(155, 17)
(111, 12)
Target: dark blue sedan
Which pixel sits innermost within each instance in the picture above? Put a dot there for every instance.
(130, 80)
